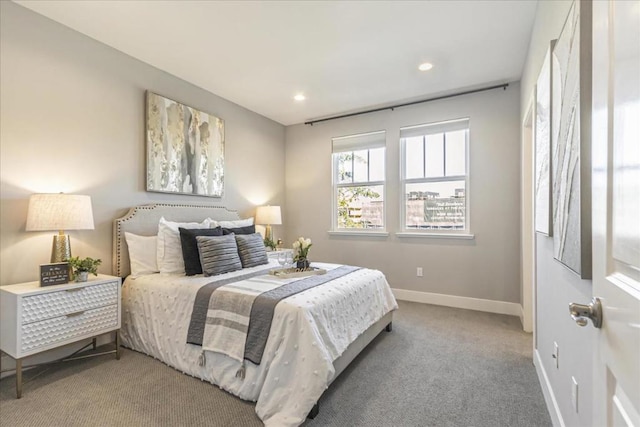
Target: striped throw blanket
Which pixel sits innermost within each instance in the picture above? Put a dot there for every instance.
(234, 316)
(228, 316)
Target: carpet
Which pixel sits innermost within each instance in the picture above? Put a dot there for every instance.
(440, 366)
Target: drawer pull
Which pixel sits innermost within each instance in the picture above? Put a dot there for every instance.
(77, 313)
(74, 289)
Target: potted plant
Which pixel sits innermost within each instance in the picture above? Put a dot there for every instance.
(82, 267)
(301, 252)
(269, 243)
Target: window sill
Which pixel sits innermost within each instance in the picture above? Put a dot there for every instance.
(411, 234)
(358, 233)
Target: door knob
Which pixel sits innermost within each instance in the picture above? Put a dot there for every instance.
(580, 313)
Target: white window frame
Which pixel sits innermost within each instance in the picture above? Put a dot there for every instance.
(350, 143)
(424, 130)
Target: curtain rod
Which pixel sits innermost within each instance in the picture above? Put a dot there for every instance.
(406, 104)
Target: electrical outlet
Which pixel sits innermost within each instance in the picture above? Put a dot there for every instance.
(574, 393)
(419, 272)
(556, 354)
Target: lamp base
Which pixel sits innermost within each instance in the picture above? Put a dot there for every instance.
(61, 249)
(268, 234)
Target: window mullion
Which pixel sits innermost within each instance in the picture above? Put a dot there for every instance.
(353, 167)
(424, 156)
(436, 179)
(444, 153)
(361, 184)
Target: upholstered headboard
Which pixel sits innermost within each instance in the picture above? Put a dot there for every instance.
(143, 220)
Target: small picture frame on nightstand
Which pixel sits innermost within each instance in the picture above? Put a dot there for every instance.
(54, 274)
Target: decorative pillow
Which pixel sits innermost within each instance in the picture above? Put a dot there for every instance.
(142, 254)
(218, 254)
(190, 253)
(233, 224)
(251, 250)
(169, 247)
(250, 229)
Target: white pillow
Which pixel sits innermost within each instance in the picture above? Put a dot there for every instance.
(232, 224)
(169, 254)
(142, 254)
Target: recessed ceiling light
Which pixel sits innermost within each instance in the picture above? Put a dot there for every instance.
(299, 97)
(425, 66)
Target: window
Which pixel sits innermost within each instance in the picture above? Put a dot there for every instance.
(435, 176)
(358, 182)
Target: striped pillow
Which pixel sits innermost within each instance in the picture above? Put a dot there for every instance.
(218, 254)
(251, 250)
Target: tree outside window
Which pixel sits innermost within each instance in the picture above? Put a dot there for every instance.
(359, 182)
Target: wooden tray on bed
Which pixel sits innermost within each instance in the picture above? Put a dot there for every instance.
(289, 273)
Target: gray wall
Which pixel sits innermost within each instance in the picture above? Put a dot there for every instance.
(487, 267)
(72, 120)
(556, 285)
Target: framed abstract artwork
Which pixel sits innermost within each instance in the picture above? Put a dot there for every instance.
(185, 149)
(543, 214)
(571, 141)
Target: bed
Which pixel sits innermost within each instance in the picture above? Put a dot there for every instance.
(314, 334)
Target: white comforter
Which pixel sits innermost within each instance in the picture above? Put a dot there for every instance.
(309, 331)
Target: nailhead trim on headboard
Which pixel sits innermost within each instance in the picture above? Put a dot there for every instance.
(144, 219)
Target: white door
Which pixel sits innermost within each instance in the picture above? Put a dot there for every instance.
(616, 210)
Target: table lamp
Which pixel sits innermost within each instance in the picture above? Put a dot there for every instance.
(59, 212)
(268, 215)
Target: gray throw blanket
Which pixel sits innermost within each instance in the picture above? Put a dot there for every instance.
(235, 318)
(201, 305)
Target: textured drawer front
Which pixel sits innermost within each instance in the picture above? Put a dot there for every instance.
(55, 304)
(52, 331)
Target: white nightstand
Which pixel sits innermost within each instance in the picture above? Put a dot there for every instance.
(35, 319)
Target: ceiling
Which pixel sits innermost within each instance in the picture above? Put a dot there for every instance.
(344, 56)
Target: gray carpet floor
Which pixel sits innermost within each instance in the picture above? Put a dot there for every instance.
(439, 367)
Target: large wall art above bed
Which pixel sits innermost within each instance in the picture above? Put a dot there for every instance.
(185, 149)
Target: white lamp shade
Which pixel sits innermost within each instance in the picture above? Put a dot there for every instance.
(268, 215)
(59, 212)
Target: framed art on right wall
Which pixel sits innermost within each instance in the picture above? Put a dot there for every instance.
(543, 213)
(571, 141)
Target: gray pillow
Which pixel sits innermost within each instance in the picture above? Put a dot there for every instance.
(251, 250)
(218, 254)
(249, 229)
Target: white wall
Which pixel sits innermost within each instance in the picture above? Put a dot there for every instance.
(487, 267)
(557, 286)
(72, 120)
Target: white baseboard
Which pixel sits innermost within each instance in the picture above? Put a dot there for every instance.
(547, 391)
(490, 306)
